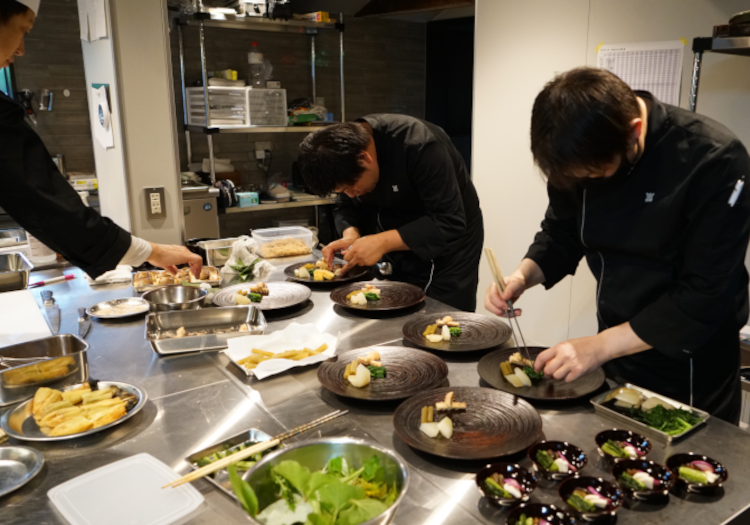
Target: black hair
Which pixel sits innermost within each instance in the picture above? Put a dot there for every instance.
(329, 158)
(581, 119)
(9, 9)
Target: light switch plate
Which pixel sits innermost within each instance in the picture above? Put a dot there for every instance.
(156, 207)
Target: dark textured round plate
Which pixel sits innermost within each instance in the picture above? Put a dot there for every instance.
(352, 275)
(408, 372)
(478, 332)
(547, 389)
(494, 424)
(393, 296)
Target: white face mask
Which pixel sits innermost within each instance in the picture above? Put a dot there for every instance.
(31, 4)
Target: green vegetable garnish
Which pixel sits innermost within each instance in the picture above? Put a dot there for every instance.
(671, 421)
(311, 271)
(372, 296)
(533, 374)
(613, 449)
(493, 487)
(255, 297)
(545, 460)
(523, 520)
(378, 372)
(455, 331)
(244, 492)
(630, 482)
(693, 475)
(245, 271)
(580, 504)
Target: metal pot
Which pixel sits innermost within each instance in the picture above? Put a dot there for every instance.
(315, 454)
(171, 298)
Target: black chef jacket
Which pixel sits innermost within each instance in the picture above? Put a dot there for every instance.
(426, 194)
(35, 195)
(667, 249)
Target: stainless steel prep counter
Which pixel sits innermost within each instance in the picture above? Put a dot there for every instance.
(196, 400)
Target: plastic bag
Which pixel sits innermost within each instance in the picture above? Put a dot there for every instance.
(243, 250)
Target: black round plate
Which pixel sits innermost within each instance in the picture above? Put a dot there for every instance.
(656, 471)
(478, 332)
(675, 461)
(494, 424)
(605, 488)
(352, 275)
(408, 372)
(547, 389)
(393, 296)
(522, 475)
(550, 513)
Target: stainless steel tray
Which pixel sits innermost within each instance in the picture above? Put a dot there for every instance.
(60, 360)
(221, 478)
(219, 325)
(18, 466)
(19, 423)
(14, 271)
(642, 428)
(149, 287)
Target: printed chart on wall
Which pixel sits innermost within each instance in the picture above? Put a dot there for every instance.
(655, 67)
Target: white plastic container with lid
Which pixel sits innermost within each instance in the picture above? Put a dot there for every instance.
(40, 253)
(283, 242)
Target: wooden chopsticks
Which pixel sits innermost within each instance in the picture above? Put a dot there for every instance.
(251, 451)
(500, 283)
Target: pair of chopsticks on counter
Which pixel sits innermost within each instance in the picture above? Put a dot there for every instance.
(255, 449)
(500, 283)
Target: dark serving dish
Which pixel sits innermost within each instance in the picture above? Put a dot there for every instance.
(572, 453)
(523, 476)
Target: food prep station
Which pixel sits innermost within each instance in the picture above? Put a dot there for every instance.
(196, 400)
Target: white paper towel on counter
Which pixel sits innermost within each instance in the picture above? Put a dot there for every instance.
(21, 318)
(122, 274)
(294, 337)
(243, 250)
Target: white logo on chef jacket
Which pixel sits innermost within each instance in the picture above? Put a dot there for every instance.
(395, 188)
(649, 197)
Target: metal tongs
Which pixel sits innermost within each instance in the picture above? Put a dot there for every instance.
(500, 283)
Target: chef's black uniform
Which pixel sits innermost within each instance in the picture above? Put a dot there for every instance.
(667, 248)
(425, 193)
(35, 195)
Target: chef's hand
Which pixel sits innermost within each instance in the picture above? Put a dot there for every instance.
(572, 359)
(342, 245)
(498, 303)
(365, 251)
(168, 256)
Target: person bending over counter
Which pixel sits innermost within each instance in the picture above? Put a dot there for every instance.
(653, 196)
(404, 197)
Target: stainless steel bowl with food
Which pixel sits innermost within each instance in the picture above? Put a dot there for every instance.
(347, 479)
(170, 298)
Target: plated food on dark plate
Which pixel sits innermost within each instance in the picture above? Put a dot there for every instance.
(557, 459)
(505, 484)
(509, 370)
(378, 295)
(698, 473)
(591, 498)
(622, 444)
(538, 514)
(643, 480)
(319, 272)
(456, 332)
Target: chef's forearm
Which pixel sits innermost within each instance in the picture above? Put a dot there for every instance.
(529, 273)
(351, 233)
(391, 241)
(620, 341)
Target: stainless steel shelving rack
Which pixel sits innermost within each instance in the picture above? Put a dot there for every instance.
(292, 27)
(737, 45)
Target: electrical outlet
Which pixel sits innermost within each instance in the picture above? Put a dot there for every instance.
(263, 146)
(155, 205)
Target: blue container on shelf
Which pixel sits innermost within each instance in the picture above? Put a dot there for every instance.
(248, 199)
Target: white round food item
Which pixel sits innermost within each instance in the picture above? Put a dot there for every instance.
(653, 402)
(434, 338)
(562, 465)
(523, 377)
(446, 427)
(597, 501)
(514, 380)
(240, 299)
(643, 478)
(446, 333)
(429, 429)
(628, 399)
(513, 491)
(631, 451)
(361, 378)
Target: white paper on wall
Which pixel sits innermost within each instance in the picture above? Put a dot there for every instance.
(655, 67)
(92, 17)
(102, 118)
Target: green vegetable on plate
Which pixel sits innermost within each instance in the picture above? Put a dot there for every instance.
(546, 461)
(613, 449)
(693, 475)
(372, 296)
(630, 482)
(580, 504)
(493, 487)
(671, 421)
(378, 372)
(455, 331)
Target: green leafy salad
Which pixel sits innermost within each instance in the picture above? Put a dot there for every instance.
(336, 495)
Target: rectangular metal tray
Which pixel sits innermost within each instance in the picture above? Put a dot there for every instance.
(14, 271)
(161, 327)
(62, 361)
(221, 478)
(642, 428)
